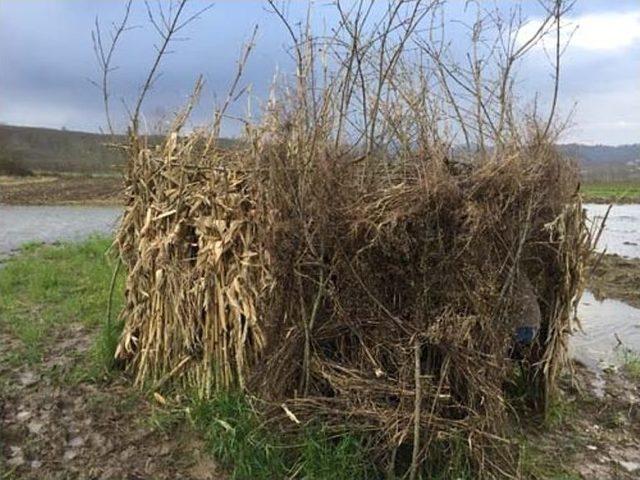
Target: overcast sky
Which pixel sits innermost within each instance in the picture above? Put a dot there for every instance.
(46, 61)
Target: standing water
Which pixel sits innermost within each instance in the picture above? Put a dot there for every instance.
(22, 224)
(621, 234)
(610, 327)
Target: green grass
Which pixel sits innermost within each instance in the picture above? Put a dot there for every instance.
(561, 411)
(46, 288)
(612, 192)
(631, 364)
(243, 442)
(540, 462)
(237, 436)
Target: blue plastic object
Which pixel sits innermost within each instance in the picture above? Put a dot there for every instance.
(526, 335)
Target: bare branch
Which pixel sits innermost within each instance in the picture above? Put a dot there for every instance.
(104, 59)
(171, 24)
(556, 78)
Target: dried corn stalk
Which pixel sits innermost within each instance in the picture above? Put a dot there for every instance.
(195, 275)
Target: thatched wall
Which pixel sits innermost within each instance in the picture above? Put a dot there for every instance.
(357, 298)
(194, 274)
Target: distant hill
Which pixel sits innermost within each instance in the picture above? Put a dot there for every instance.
(44, 149)
(605, 162)
(602, 154)
(28, 149)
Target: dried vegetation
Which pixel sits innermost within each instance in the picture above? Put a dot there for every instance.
(355, 261)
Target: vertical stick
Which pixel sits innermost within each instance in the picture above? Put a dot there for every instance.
(112, 287)
(307, 333)
(416, 413)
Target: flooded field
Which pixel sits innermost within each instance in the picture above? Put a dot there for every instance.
(610, 327)
(622, 230)
(22, 224)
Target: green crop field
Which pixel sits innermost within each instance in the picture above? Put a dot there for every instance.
(623, 192)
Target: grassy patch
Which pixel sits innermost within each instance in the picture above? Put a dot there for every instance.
(47, 288)
(631, 365)
(240, 439)
(543, 461)
(612, 192)
(560, 412)
(237, 436)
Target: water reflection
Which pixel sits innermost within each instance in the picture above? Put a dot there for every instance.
(609, 329)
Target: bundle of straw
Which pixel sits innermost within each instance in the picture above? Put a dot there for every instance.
(194, 270)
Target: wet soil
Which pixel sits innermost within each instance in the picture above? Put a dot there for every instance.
(55, 190)
(608, 199)
(55, 428)
(599, 435)
(616, 277)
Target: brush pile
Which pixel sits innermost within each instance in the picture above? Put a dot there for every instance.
(350, 265)
(395, 291)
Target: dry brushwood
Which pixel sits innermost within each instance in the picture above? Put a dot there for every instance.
(348, 259)
(423, 260)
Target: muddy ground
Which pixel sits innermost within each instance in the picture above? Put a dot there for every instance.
(53, 426)
(51, 190)
(56, 425)
(613, 276)
(596, 436)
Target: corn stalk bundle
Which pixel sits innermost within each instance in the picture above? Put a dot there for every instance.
(195, 272)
